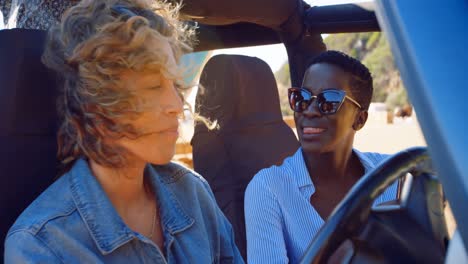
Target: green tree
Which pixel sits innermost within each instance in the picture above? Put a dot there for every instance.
(284, 82)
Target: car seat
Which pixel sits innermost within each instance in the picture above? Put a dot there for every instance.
(28, 148)
(240, 93)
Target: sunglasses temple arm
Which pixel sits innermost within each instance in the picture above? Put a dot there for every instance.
(353, 101)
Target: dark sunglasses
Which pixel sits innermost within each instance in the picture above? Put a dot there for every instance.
(328, 101)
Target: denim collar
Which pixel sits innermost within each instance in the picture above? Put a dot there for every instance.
(102, 220)
(173, 216)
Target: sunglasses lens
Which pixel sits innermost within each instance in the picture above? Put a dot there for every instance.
(330, 101)
(298, 100)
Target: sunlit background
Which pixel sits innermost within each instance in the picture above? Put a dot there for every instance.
(385, 130)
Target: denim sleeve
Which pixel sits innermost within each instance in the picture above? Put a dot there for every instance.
(24, 247)
(228, 235)
(263, 222)
(237, 258)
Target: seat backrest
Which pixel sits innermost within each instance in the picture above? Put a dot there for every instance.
(27, 123)
(240, 93)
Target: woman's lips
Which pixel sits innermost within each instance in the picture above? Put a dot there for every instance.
(171, 131)
(312, 130)
(312, 133)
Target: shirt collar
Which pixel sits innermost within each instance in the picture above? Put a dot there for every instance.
(102, 220)
(365, 161)
(298, 168)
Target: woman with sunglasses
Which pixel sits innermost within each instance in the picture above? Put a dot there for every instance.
(286, 205)
(121, 200)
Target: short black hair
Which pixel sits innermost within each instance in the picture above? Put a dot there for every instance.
(361, 78)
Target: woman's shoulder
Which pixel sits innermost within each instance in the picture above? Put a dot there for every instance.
(52, 204)
(274, 177)
(268, 175)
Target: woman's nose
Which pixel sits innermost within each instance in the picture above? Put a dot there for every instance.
(175, 105)
(312, 108)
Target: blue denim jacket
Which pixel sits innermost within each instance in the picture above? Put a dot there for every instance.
(73, 221)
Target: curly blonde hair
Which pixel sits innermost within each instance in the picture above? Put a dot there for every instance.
(96, 41)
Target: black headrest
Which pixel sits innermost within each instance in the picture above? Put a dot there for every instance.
(28, 123)
(240, 93)
(27, 93)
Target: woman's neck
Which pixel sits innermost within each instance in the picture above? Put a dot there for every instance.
(134, 202)
(333, 167)
(124, 186)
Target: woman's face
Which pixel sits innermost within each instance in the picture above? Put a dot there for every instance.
(159, 121)
(320, 133)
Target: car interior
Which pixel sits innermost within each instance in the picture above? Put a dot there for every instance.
(412, 230)
(28, 150)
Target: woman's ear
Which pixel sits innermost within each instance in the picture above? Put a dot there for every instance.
(360, 120)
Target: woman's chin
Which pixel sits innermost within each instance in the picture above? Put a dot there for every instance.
(162, 158)
(310, 148)
(311, 145)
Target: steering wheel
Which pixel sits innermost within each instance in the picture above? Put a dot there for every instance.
(411, 230)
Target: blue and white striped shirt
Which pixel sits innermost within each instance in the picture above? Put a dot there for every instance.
(280, 221)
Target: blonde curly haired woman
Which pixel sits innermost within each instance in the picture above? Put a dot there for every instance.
(121, 200)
